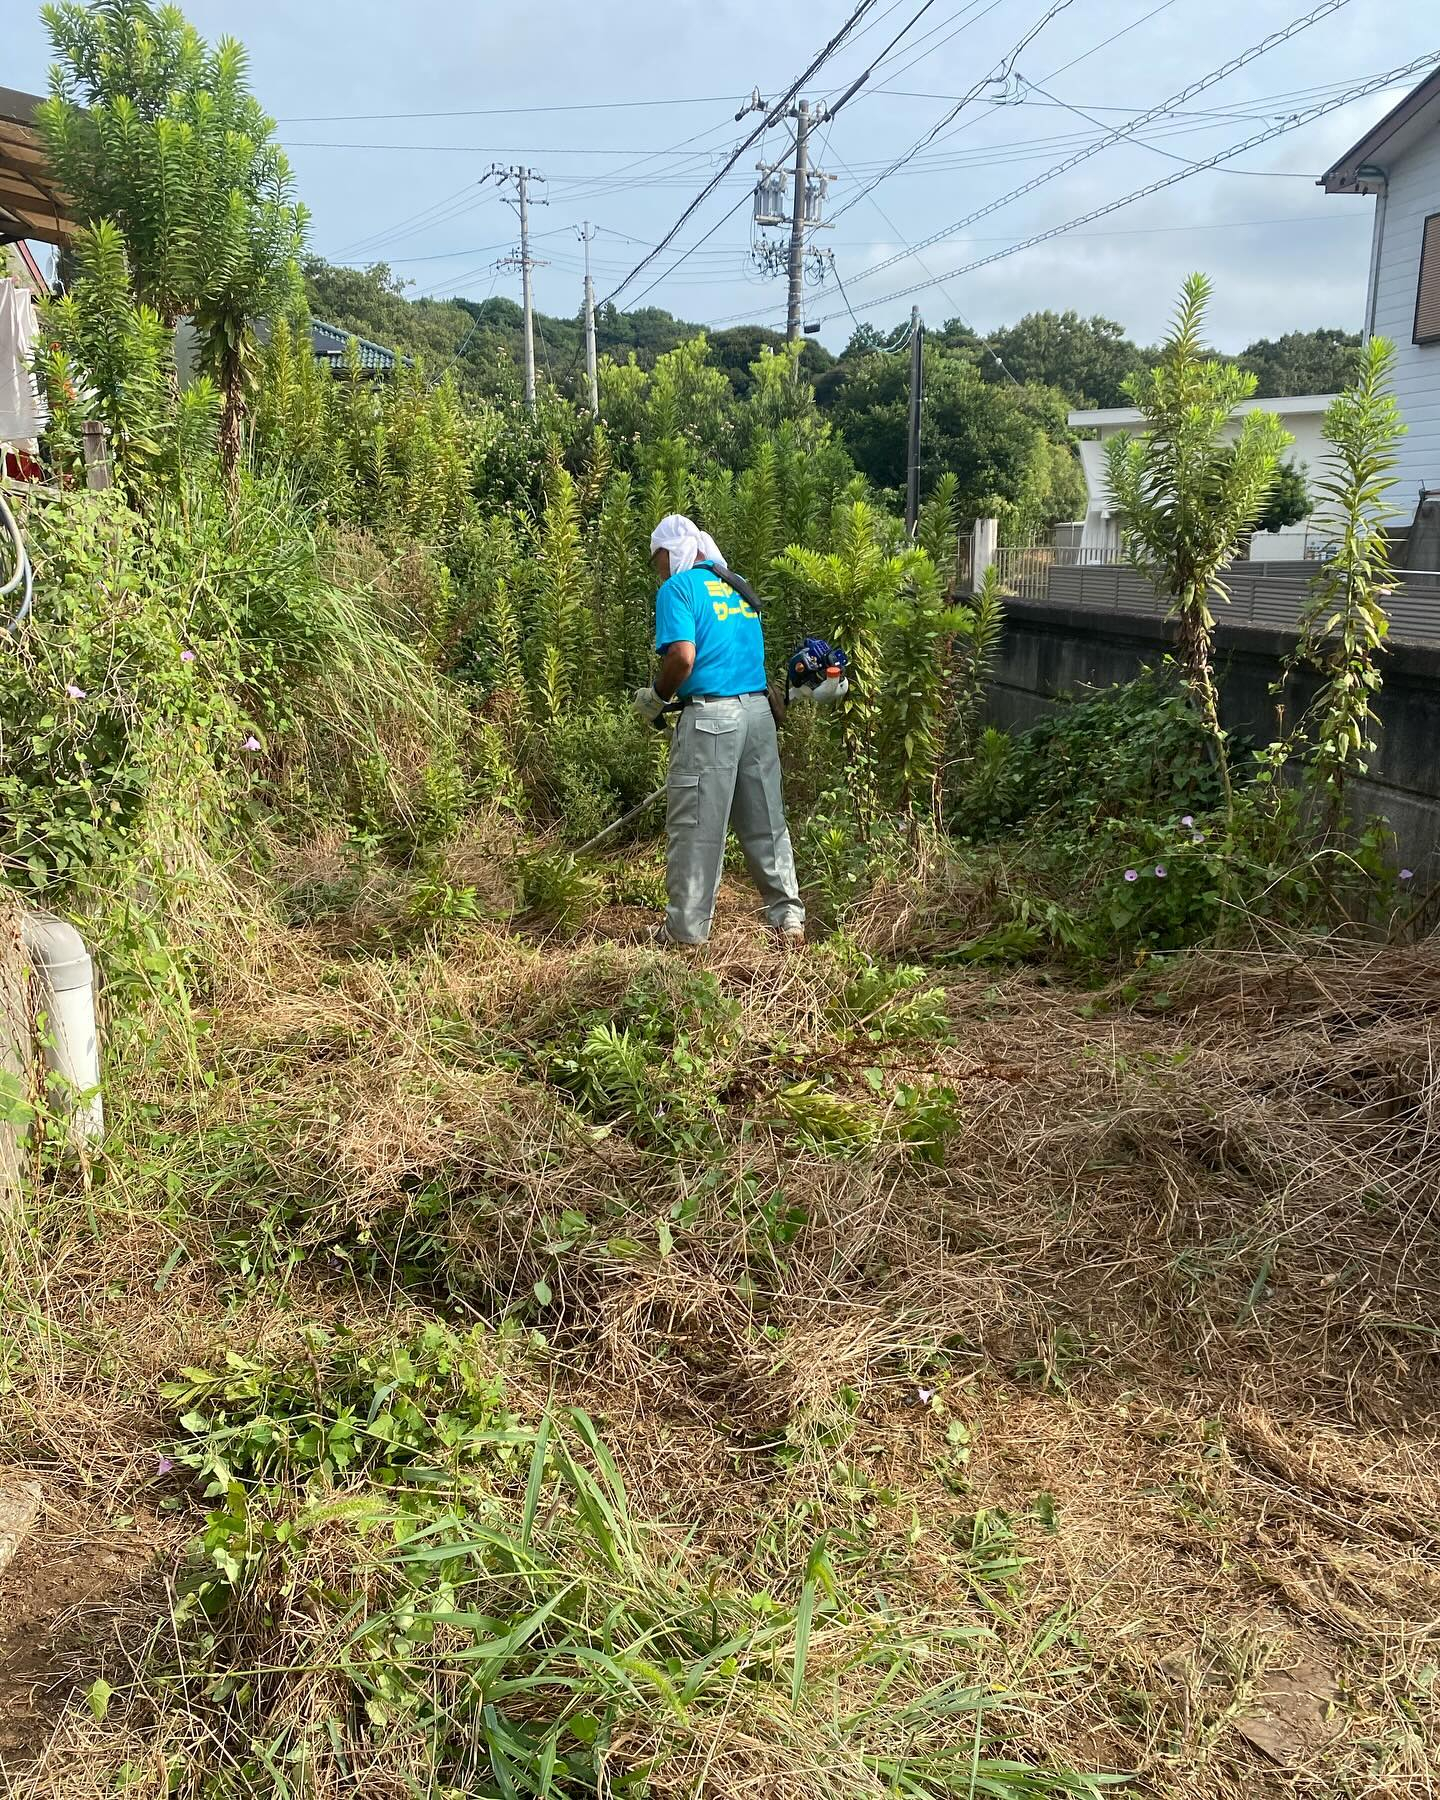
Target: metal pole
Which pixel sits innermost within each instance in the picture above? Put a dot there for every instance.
(522, 178)
(794, 321)
(917, 388)
(586, 234)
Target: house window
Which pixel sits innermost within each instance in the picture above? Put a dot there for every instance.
(1427, 301)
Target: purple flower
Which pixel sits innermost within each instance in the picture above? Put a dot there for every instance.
(1132, 874)
(187, 656)
(1407, 874)
(164, 1466)
(1199, 838)
(1188, 822)
(1160, 873)
(74, 693)
(251, 742)
(926, 1395)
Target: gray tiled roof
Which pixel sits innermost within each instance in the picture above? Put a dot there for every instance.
(328, 343)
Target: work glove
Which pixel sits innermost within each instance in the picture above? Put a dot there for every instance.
(649, 705)
(834, 687)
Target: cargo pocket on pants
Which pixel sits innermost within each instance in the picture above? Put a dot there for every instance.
(682, 806)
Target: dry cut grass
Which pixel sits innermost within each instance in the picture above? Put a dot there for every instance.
(1119, 1410)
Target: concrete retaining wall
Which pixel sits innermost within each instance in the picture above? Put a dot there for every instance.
(1051, 650)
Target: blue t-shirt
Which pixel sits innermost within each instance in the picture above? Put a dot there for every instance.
(699, 608)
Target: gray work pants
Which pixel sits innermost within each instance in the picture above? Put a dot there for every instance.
(725, 770)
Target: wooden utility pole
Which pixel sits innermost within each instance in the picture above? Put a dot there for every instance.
(587, 234)
(917, 395)
(522, 177)
(793, 316)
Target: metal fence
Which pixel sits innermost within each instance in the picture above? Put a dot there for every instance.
(1270, 594)
(1025, 570)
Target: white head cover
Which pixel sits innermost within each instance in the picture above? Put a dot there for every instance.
(686, 542)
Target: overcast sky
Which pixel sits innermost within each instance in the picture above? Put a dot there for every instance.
(627, 109)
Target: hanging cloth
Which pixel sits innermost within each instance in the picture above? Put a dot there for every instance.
(22, 411)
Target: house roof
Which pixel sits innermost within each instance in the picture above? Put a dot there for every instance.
(31, 205)
(329, 341)
(1286, 405)
(1363, 167)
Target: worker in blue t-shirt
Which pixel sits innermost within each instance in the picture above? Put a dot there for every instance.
(725, 760)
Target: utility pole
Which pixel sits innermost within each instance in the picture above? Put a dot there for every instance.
(522, 177)
(793, 319)
(799, 211)
(587, 234)
(917, 395)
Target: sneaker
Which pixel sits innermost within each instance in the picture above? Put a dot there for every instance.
(790, 937)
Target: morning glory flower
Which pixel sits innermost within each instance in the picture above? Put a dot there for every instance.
(1132, 874)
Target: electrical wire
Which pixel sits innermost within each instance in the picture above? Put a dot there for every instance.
(1171, 155)
(1005, 65)
(1116, 134)
(1389, 78)
(768, 120)
(1114, 37)
(358, 246)
(500, 112)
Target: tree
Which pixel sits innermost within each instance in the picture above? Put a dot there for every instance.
(1289, 501)
(1088, 360)
(1303, 362)
(372, 303)
(1187, 499)
(738, 350)
(1004, 444)
(148, 127)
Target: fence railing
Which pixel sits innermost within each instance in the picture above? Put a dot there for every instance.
(1269, 594)
(1025, 569)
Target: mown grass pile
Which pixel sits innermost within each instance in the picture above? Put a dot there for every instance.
(490, 1363)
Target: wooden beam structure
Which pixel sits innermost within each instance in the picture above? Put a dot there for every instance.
(31, 205)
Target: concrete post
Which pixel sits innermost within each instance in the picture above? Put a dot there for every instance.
(95, 442)
(984, 546)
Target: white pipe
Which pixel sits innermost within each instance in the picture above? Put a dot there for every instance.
(69, 1037)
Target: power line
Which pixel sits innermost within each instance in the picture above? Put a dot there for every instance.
(359, 244)
(1116, 134)
(1105, 43)
(1005, 66)
(767, 121)
(963, 25)
(500, 112)
(1389, 78)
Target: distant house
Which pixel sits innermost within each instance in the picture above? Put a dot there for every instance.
(1300, 414)
(327, 344)
(1399, 163)
(329, 341)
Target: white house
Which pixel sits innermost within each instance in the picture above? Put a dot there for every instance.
(1399, 163)
(1300, 414)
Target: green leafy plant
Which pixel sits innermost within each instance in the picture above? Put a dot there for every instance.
(1345, 623)
(1186, 498)
(147, 127)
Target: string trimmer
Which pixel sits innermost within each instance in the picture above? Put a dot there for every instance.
(815, 672)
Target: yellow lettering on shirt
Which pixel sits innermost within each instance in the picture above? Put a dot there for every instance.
(741, 610)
